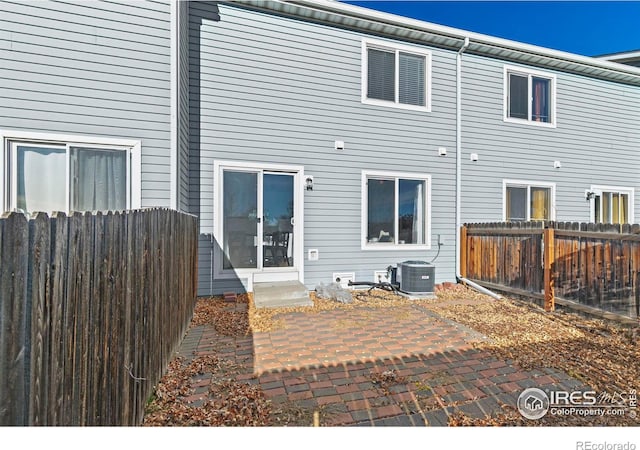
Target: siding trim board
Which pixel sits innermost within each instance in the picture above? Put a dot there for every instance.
(173, 146)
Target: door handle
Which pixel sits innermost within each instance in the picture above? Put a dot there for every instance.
(293, 221)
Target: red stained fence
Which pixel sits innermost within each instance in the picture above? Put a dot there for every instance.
(597, 265)
(92, 307)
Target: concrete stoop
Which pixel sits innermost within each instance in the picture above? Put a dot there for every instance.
(280, 294)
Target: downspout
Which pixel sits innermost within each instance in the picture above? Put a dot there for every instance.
(470, 283)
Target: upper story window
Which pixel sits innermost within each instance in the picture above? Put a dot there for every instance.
(525, 201)
(529, 97)
(397, 76)
(611, 204)
(395, 210)
(47, 174)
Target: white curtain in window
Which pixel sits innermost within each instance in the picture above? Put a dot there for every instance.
(418, 215)
(41, 174)
(99, 179)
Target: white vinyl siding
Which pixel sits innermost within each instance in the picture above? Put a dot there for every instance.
(92, 68)
(299, 86)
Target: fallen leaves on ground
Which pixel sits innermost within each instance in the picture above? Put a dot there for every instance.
(599, 353)
(228, 318)
(267, 319)
(226, 402)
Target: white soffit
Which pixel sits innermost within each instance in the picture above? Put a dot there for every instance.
(394, 26)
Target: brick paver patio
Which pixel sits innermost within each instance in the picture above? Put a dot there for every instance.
(398, 366)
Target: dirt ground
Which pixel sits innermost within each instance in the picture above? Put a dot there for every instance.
(601, 354)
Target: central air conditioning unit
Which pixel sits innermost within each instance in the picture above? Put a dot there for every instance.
(416, 277)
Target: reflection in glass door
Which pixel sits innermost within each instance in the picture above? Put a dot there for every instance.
(258, 219)
(240, 219)
(277, 230)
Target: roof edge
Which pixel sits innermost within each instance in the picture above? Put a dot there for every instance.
(603, 65)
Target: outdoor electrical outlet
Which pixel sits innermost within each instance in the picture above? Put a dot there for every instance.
(441, 240)
(381, 276)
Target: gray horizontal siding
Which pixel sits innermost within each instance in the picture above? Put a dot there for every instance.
(597, 140)
(92, 68)
(183, 106)
(273, 90)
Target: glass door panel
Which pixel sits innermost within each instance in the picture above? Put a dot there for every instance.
(240, 219)
(277, 202)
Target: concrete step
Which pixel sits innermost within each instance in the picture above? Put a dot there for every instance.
(280, 294)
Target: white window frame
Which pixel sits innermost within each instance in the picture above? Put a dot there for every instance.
(599, 189)
(529, 74)
(366, 174)
(249, 274)
(528, 185)
(397, 48)
(133, 147)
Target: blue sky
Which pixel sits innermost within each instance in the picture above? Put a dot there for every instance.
(587, 28)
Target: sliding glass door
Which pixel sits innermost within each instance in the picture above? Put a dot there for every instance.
(257, 219)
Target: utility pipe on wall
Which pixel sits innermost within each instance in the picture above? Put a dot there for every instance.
(459, 148)
(470, 283)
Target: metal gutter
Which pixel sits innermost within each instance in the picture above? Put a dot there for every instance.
(399, 27)
(470, 283)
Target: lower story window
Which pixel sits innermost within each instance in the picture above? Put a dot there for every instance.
(61, 176)
(611, 205)
(528, 201)
(395, 210)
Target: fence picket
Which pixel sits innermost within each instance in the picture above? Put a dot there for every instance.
(40, 252)
(594, 264)
(93, 306)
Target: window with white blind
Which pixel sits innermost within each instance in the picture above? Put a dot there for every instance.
(397, 76)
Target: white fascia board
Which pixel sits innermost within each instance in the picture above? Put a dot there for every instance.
(383, 18)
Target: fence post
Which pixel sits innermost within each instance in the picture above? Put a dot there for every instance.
(463, 251)
(549, 302)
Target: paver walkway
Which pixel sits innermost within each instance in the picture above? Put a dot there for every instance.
(397, 366)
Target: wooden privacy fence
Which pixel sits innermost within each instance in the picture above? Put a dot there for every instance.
(92, 306)
(597, 265)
